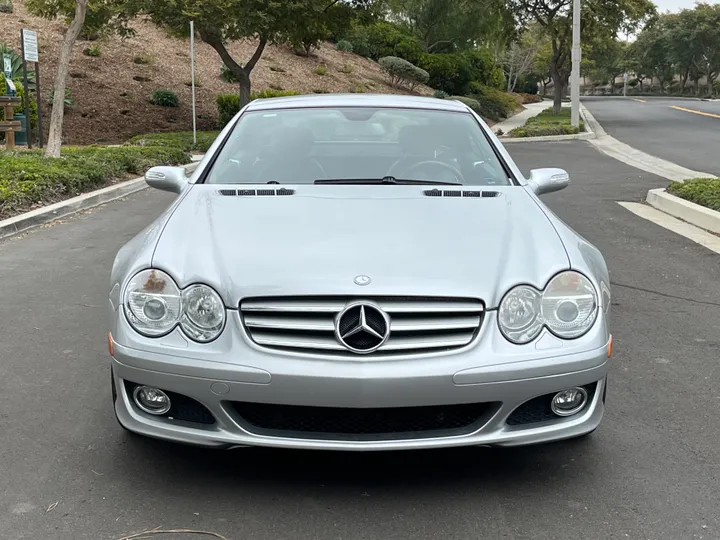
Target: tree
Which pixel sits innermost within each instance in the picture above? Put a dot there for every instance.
(219, 22)
(447, 26)
(707, 19)
(598, 18)
(519, 61)
(98, 15)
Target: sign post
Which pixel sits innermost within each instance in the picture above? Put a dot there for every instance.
(29, 45)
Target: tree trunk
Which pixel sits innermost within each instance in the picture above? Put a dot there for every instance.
(557, 92)
(245, 88)
(58, 109)
(640, 82)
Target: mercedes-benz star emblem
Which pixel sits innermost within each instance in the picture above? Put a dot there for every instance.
(362, 327)
(362, 280)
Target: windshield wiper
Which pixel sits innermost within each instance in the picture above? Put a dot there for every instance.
(384, 180)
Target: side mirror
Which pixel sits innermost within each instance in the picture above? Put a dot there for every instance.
(548, 180)
(172, 179)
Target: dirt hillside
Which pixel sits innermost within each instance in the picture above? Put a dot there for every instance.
(111, 92)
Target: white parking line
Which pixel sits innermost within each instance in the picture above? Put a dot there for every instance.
(675, 225)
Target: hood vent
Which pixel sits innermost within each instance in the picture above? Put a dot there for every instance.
(256, 192)
(459, 193)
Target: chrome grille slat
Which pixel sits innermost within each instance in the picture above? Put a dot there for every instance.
(307, 324)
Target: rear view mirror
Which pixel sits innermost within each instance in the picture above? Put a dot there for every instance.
(548, 180)
(172, 179)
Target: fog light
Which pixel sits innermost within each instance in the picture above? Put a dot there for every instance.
(569, 402)
(151, 400)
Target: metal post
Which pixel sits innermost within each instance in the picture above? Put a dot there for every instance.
(39, 103)
(192, 78)
(575, 74)
(26, 92)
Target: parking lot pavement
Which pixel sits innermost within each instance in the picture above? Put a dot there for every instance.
(683, 131)
(652, 470)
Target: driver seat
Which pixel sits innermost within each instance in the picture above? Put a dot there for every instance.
(417, 144)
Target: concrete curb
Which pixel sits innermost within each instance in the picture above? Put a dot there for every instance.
(690, 212)
(586, 135)
(34, 218)
(635, 158)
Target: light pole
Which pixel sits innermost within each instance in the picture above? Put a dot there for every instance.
(575, 73)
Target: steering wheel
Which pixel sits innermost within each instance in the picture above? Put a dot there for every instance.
(436, 164)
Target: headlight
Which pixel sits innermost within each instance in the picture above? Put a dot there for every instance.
(203, 313)
(519, 314)
(567, 307)
(155, 305)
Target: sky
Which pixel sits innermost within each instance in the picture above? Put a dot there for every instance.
(676, 5)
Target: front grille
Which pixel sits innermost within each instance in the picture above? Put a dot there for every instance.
(292, 421)
(417, 324)
(538, 409)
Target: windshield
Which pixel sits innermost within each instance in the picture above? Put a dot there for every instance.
(302, 146)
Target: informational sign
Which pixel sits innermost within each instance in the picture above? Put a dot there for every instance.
(7, 66)
(30, 45)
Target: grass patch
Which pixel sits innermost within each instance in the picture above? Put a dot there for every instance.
(182, 140)
(28, 180)
(702, 191)
(547, 123)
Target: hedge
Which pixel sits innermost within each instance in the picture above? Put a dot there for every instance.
(401, 72)
(28, 179)
(228, 105)
(455, 72)
(178, 139)
(703, 191)
(384, 39)
(495, 104)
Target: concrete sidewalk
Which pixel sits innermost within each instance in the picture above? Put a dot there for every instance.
(531, 109)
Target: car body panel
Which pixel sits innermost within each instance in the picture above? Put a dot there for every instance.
(318, 240)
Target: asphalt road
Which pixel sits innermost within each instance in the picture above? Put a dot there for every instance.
(684, 131)
(651, 472)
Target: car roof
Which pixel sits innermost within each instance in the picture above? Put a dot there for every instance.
(392, 101)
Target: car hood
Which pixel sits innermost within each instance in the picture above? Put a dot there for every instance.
(319, 239)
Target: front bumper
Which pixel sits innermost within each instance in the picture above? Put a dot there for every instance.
(465, 377)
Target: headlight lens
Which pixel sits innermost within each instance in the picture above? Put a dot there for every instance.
(519, 314)
(153, 303)
(567, 307)
(203, 313)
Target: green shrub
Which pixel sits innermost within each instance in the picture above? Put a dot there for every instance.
(450, 73)
(483, 68)
(92, 51)
(470, 102)
(15, 62)
(344, 45)
(346, 68)
(20, 109)
(178, 139)
(141, 59)
(402, 73)
(321, 70)
(494, 103)
(440, 94)
(228, 105)
(68, 100)
(164, 98)
(703, 191)
(543, 130)
(6, 6)
(384, 39)
(28, 179)
(227, 75)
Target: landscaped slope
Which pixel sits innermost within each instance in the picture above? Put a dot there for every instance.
(111, 92)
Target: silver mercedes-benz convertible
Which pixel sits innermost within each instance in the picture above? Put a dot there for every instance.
(358, 272)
